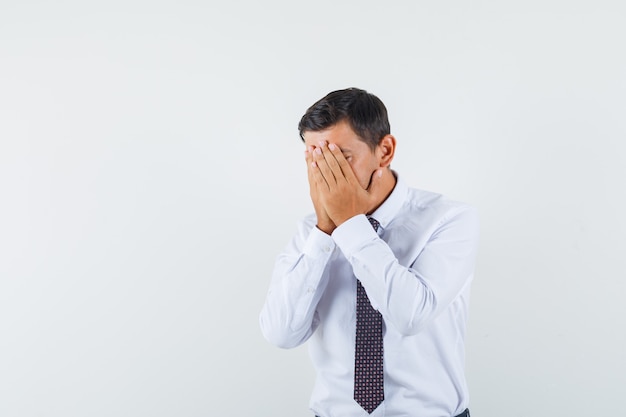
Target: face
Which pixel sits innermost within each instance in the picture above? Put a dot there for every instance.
(363, 160)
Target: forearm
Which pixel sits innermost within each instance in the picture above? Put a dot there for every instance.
(407, 298)
(411, 295)
(298, 281)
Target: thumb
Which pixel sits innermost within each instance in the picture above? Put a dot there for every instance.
(375, 181)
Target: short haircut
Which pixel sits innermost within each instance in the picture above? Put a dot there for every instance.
(365, 113)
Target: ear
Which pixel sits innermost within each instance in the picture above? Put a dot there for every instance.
(385, 150)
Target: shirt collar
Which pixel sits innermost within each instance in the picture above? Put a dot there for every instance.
(390, 207)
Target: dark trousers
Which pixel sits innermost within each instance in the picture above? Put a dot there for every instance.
(465, 413)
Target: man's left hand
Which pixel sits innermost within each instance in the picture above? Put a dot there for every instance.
(340, 191)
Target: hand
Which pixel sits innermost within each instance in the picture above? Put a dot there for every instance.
(338, 189)
(324, 223)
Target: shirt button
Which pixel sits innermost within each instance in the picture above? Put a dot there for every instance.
(326, 248)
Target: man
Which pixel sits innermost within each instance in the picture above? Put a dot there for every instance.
(378, 278)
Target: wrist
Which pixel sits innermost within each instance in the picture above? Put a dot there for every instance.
(327, 228)
(340, 220)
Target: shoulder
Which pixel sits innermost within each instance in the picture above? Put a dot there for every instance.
(435, 209)
(429, 200)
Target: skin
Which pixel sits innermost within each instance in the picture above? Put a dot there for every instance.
(346, 177)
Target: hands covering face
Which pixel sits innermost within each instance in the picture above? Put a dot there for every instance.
(335, 190)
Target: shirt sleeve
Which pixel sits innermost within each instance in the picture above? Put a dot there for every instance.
(300, 275)
(411, 296)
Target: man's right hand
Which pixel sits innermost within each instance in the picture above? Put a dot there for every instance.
(324, 223)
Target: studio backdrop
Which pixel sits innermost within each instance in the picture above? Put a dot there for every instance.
(151, 171)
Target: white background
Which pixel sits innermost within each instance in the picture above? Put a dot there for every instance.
(151, 170)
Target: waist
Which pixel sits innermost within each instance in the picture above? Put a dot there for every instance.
(465, 413)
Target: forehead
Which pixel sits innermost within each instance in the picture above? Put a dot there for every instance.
(340, 134)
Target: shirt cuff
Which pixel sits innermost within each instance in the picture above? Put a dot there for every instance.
(353, 234)
(318, 244)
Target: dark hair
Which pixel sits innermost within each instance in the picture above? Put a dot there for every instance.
(365, 112)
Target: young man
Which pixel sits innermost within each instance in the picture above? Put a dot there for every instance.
(378, 279)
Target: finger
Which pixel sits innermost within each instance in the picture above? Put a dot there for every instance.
(331, 160)
(375, 181)
(342, 163)
(309, 159)
(316, 178)
(308, 155)
(322, 166)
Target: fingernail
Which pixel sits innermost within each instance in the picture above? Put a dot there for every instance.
(331, 146)
(318, 151)
(313, 164)
(322, 142)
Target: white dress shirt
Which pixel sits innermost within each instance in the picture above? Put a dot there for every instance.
(416, 271)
